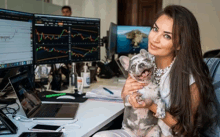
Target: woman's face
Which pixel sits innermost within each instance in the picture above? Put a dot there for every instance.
(160, 38)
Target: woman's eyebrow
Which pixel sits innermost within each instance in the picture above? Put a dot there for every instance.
(164, 31)
(167, 32)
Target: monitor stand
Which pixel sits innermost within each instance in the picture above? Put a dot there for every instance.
(5, 82)
(10, 73)
(123, 71)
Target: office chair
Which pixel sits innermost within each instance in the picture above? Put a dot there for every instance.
(212, 53)
(214, 69)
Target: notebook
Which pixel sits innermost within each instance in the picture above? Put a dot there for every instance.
(32, 105)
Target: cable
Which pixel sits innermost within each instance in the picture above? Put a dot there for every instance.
(72, 123)
(25, 119)
(10, 108)
(5, 87)
(20, 118)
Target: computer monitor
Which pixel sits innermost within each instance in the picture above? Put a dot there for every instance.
(16, 47)
(130, 39)
(60, 39)
(112, 40)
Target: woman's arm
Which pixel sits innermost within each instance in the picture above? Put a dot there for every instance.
(195, 99)
(168, 120)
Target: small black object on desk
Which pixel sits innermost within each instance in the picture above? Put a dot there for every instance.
(7, 126)
(41, 134)
(7, 101)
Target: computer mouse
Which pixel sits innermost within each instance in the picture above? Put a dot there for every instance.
(66, 97)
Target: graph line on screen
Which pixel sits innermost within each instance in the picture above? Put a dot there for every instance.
(8, 37)
(17, 36)
(42, 36)
(88, 51)
(51, 50)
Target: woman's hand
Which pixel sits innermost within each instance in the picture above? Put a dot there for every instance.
(131, 85)
(136, 102)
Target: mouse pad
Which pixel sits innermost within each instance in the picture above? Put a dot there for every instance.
(78, 98)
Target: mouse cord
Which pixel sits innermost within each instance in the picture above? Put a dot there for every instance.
(25, 119)
(20, 118)
(72, 123)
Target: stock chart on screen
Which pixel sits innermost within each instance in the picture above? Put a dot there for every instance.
(64, 39)
(15, 38)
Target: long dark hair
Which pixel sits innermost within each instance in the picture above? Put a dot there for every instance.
(189, 61)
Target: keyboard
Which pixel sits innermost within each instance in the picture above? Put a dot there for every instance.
(48, 110)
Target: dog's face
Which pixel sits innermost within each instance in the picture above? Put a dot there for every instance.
(139, 64)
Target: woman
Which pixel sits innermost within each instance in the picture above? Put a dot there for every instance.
(183, 77)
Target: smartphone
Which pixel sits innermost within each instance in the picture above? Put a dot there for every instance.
(41, 134)
(50, 128)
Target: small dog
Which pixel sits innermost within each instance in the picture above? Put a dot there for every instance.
(140, 121)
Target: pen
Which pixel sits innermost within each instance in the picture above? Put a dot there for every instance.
(54, 95)
(108, 90)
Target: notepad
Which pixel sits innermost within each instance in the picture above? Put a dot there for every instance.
(101, 94)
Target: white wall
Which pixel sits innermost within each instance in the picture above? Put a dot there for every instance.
(76, 6)
(106, 10)
(207, 13)
(32, 6)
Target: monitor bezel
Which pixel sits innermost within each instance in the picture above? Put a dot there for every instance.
(109, 54)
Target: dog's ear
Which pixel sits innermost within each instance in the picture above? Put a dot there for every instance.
(152, 57)
(143, 52)
(124, 60)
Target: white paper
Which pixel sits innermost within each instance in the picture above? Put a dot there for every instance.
(101, 93)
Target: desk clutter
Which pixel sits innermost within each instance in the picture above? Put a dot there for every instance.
(105, 93)
(54, 97)
(89, 121)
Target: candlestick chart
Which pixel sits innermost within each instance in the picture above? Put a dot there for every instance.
(52, 44)
(52, 35)
(65, 39)
(85, 43)
(85, 53)
(84, 35)
(52, 54)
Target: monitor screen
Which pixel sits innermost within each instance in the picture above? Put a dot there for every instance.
(51, 39)
(85, 37)
(130, 39)
(16, 48)
(60, 39)
(112, 40)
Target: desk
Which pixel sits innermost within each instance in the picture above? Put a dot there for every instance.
(92, 115)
